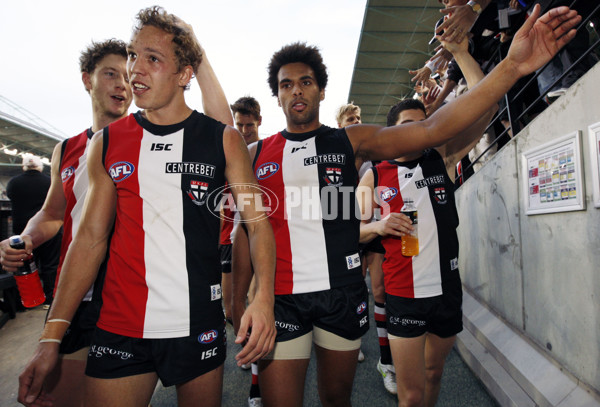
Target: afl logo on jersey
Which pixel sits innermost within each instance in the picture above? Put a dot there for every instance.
(120, 171)
(361, 308)
(387, 194)
(67, 173)
(208, 336)
(266, 170)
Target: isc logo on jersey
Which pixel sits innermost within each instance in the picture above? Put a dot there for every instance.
(208, 336)
(120, 171)
(266, 170)
(361, 308)
(67, 173)
(387, 194)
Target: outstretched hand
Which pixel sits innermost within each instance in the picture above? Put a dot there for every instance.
(539, 39)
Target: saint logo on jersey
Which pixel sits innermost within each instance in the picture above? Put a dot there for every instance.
(67, 173)
(208, 336)
(197, 192)
(387, 194)
(440, 195)
(333, 177)
(120, 171)
(266, 170)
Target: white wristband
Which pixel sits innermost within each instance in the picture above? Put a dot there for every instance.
(50, 340)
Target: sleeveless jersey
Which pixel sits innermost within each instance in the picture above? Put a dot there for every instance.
(310, 179)
(426, 181)
(74, 176)
(164, 273)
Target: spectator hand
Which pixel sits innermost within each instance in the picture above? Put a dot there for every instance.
(442, 57)
(458, 25)
(539, 39)
(454, 47)
(421, 75)
(429, 99)
(258, 316)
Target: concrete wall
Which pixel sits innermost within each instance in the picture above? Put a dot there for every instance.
(540, 273)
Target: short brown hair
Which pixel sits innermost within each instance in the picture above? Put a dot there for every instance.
(246, 105)
(186, 47)
(96, 51)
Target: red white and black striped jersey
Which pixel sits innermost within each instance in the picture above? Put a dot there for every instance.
(163, 276)
(313, 176)
(74, 176)
(426, 181)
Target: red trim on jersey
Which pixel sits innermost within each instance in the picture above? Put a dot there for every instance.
(226, 220)
(126, 239)
(74, 149)
(397, 268)
(272, 151)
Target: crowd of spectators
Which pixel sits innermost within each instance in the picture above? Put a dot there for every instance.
(489, 26)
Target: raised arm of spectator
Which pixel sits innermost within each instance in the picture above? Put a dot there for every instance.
(536, 42)
(86, 253)
(460, 20)
(259, 314)
(458, 147)
(44, 224)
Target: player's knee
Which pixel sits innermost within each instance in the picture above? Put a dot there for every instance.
(433, 375)
(411, 398)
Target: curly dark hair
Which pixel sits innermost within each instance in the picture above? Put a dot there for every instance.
(406, 104)
(186, 47)
(297, 52)
(246, 105)
(94, 53)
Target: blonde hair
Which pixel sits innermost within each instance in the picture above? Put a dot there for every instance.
(345, 109)
(32, 162)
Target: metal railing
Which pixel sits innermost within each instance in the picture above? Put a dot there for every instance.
(517, 115)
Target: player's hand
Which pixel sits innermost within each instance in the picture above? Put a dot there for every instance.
(394, 224)
(31, 380)
(10, 258)
(458, 24)
(539, 39)
(260, 317)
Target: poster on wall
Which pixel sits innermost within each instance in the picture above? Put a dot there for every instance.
(594, 140)
(553, 176)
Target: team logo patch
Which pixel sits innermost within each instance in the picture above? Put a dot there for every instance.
(67, 173)
(208, 336)
(121, 170)
(361, 308)
(197, 192)
(387, 194)
(440, 195)
(266, 170)
(333, 177)
(454, 264)
(353, 261)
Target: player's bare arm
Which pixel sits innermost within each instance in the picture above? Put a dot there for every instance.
(259, 315)
(44, 224)
(86, 253)
(395, 224)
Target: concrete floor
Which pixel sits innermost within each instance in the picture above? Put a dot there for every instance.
(460, 388)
